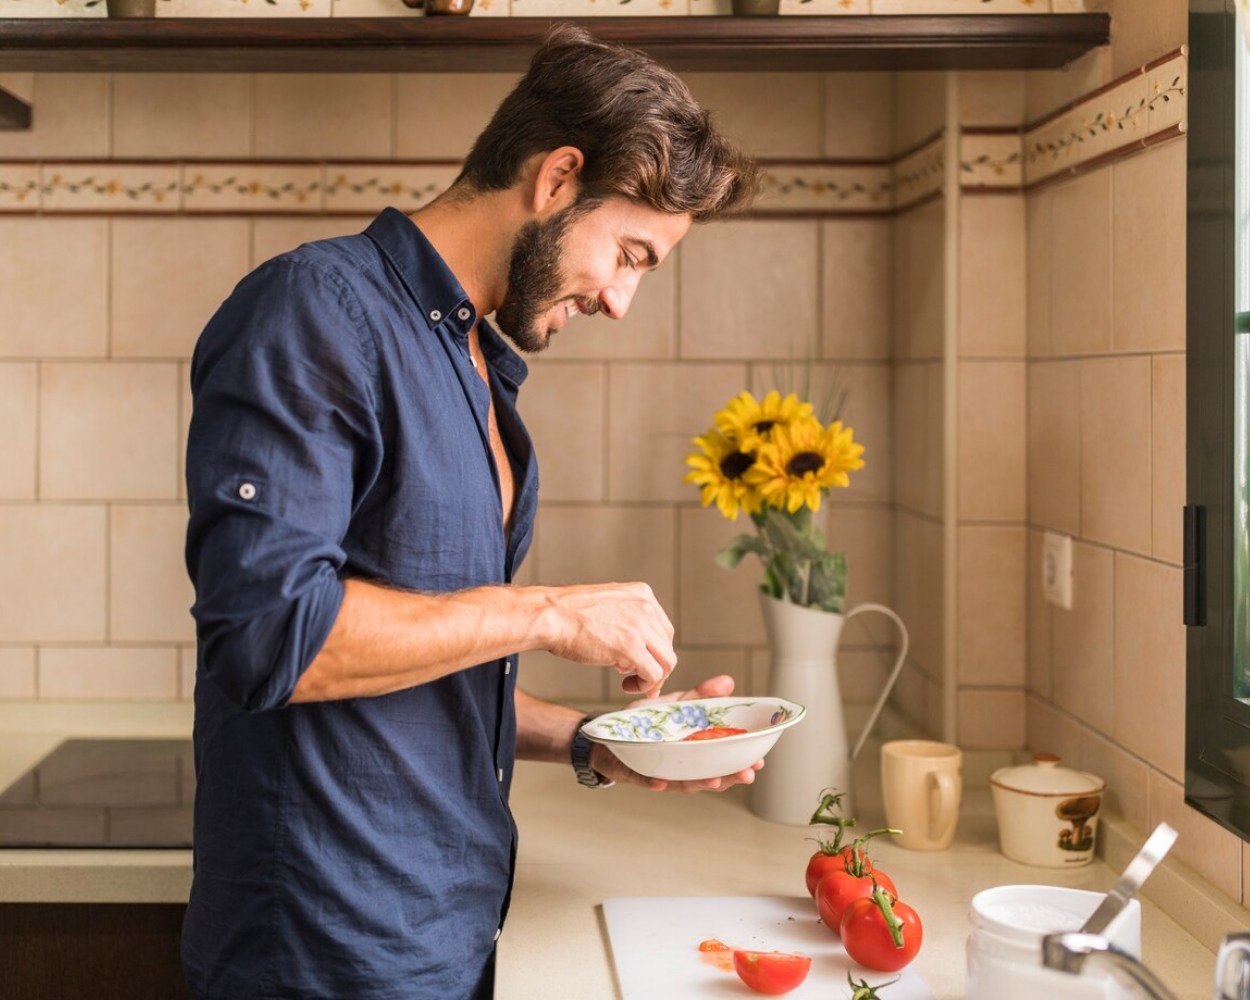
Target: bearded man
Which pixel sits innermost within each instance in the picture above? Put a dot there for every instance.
(362, 492)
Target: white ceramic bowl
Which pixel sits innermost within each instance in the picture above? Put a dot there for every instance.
(651, 738)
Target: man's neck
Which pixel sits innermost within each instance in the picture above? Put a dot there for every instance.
(473, 233)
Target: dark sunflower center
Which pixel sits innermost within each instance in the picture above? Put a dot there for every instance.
(733, 466)
(764, 426)
(805, 462)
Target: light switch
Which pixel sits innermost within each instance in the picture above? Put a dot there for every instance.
(1057, 569)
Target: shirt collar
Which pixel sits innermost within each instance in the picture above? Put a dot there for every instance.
(436, 291)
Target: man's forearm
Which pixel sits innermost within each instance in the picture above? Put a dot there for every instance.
(544, 731)
(386, 640)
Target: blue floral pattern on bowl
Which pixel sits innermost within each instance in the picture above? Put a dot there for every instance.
(650, 737)
(674, 720)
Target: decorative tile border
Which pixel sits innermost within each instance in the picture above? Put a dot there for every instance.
(19, 187)
(1145, 107)
(798, 188)
(991, 161)
(919, 174)
(109, 187)
(252, 187)
(356, 189)
(1127, 114)
(1141, 109)
(826, 188)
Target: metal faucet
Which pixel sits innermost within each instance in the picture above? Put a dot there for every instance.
(1232, 968)
(1074, 952)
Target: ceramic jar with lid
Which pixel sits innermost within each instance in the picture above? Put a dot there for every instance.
(1047, 814)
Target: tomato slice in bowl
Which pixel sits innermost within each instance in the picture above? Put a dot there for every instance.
(712, 733)
(771, 972)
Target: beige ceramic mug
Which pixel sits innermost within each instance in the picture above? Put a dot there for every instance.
(922, 784)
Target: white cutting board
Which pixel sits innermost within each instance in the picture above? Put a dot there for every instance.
(655, 947)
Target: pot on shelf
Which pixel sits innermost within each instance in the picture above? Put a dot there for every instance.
(131, 8)
(756, 8)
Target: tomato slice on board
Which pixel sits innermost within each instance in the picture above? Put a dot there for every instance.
(712, 733)
(771, 972)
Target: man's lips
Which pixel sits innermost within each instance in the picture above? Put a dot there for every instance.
(565, 311)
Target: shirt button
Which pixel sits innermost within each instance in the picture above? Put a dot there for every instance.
(498, 931)
(501, 774)
(435, 315)
(507, 667)
(464, 313)
(247, 491)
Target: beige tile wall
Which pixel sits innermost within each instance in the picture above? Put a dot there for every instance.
(1106, 462)
(93, 386)
(1069, 413)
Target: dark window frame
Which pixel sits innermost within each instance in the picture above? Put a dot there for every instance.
(1217, 730)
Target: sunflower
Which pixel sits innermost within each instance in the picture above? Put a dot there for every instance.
(719, 467)
(750, 422)
(802, 460)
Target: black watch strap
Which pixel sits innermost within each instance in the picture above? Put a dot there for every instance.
(580, 754)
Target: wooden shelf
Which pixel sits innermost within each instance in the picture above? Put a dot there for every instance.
(504, 44)
(420, 44)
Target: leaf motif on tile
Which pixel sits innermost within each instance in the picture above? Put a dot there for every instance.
(376, 185)
(253, 188)
(998, 165)
(20, 191)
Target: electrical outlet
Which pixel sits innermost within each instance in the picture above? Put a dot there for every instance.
(1057, 569)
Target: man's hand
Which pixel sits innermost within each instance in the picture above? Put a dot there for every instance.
(606, 763)
(620, 625)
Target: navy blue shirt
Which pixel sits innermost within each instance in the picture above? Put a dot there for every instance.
(360, 849)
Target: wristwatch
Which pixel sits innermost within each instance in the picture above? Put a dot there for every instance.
(580, 754)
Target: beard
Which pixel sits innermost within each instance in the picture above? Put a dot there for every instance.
(535, 281)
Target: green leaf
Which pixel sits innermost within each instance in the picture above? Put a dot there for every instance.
(827, 586)
(736, 551)
(787, 536)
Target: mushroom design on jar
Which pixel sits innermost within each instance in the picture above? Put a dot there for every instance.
(1078, 812)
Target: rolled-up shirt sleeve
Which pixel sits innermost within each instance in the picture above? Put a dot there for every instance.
(283, 437)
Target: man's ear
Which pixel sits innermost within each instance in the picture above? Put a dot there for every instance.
(556, 180)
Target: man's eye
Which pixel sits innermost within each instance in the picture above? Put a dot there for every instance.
(630, 262)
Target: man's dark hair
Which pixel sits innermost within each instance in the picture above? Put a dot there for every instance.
(641, 132)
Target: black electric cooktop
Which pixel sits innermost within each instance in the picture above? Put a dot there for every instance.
(103, 793)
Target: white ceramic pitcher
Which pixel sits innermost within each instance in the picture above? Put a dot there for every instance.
(813, 756)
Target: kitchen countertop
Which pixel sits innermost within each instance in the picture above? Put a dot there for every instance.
(31, 730)
(581, 846)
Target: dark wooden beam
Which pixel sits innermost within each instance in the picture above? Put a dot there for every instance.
(442, 44)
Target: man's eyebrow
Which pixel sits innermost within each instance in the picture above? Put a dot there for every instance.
(648, 248)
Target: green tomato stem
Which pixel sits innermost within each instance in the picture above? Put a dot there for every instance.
(862, 991)
(892, 923)
(858, 859)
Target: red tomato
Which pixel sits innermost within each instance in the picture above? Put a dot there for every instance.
(871, 941)
(839, 889)
(821, 864)
(712, 733)
(771, 972)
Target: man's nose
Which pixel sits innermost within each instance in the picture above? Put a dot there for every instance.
(614, 301)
